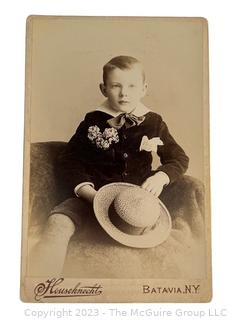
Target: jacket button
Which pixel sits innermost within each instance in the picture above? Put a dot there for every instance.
(125, 155)
(124, 136)
(125, 174)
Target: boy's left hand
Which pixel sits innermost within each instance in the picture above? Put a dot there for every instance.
(155, 183)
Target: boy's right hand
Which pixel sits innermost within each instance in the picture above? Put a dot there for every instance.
(87, 192)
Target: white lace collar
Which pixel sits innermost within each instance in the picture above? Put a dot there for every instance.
(140, 110)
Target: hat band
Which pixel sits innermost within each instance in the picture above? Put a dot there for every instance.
(122, 225)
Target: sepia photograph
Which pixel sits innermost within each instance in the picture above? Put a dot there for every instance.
(116, 199)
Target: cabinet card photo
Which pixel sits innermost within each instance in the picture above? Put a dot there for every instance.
(116, 202)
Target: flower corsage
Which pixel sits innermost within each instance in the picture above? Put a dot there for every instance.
(102, 140)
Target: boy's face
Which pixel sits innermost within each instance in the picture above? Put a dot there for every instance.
(124, 88)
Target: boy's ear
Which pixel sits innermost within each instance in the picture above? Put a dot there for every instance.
(103, 89)
(145, 87)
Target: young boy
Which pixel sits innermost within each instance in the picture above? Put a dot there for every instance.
(113, 143)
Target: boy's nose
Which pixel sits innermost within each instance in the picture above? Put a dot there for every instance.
(123, 92)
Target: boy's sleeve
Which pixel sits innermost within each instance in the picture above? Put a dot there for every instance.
(172, 157)
(73, 160)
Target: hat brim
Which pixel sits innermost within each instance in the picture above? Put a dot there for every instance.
(102, 202)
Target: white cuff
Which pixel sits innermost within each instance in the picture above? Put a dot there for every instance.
(81, 185)
(165, 176)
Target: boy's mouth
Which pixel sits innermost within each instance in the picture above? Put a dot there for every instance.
(123, 102)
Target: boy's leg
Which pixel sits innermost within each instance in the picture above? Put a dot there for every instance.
(48, 255)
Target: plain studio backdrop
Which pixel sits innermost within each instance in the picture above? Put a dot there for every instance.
(67, 56)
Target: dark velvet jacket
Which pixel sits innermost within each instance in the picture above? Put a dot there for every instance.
(82, 161)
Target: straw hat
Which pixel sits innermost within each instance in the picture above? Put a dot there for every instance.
(132, 215)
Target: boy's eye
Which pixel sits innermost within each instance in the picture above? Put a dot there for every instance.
(115, 85)
(132, 85)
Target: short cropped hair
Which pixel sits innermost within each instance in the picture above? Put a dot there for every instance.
(123, 63)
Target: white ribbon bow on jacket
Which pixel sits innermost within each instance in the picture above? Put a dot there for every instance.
(150, 144)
